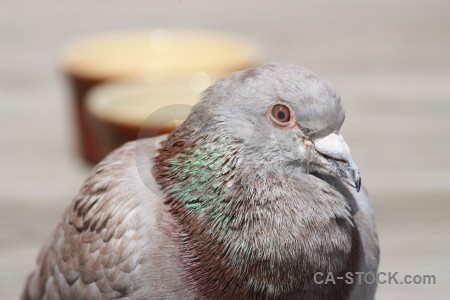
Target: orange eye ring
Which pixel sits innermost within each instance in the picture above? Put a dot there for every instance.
(281, 113)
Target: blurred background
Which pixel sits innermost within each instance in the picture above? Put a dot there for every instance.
(389, 61)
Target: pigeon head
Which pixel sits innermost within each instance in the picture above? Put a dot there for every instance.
(250, 181)
(284, 115)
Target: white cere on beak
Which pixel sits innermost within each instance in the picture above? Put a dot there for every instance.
(333, 146)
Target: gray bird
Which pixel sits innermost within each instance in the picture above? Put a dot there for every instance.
(254, 196)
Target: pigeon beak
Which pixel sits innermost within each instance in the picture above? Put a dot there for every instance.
(334, 148)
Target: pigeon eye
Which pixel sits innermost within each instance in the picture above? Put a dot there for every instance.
(281, 113)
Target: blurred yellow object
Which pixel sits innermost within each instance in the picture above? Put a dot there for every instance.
(193, 58)
(131, 102)
(124, 110)
(158, 54)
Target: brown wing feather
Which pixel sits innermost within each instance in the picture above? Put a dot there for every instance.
(99, 248)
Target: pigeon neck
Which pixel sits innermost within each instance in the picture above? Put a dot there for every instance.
(246, 232)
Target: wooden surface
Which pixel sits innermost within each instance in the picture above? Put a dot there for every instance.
(389, 60)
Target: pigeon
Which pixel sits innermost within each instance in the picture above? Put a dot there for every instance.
(254, 196)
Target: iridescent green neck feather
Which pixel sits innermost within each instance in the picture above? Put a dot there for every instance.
(199, 176)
